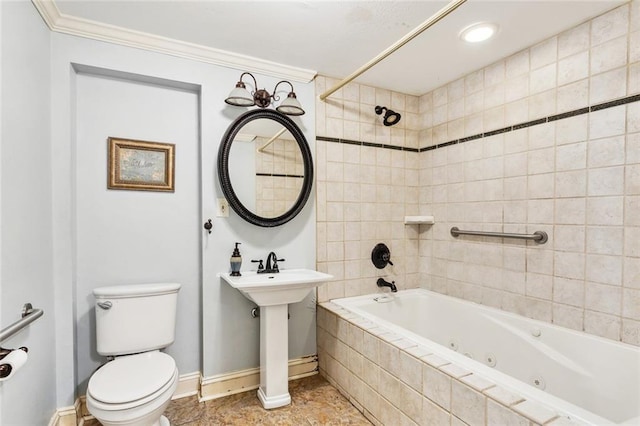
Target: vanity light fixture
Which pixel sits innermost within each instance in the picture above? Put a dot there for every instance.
(478, 32)
(241, 97)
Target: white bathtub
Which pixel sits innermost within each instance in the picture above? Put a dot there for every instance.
(588, 378)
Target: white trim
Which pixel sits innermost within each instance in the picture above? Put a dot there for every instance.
(81, 402)
(67, 24)
(54, 419)
(65, 416)
(227, 384)
(188, 385)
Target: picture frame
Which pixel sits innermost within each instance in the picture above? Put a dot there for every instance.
(140, 165)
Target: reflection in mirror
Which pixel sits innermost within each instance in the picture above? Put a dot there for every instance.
(279, 174)
(242, 169)
(266, 172)
(269, 168)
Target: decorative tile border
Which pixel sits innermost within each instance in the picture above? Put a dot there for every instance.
(362, 143)
(279, 175)
(555, 117)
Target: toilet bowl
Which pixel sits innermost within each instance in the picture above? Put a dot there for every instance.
(133, 390)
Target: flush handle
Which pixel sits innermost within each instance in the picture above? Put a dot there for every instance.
(105, 305)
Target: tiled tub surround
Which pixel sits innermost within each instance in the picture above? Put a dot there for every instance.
(542, 149)
(279, 175)
(576, 177)
(516, 352)
(393, 380)
(367, 181)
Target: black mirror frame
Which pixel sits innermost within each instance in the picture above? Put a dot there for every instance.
(223, 167)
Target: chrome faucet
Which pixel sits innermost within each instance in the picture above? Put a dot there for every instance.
(392, 285)
(272, 264)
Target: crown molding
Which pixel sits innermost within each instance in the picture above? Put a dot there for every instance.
(67, 24)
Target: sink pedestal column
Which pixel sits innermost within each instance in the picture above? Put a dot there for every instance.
(274, 356)
(273, 293)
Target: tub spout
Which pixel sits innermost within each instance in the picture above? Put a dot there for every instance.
(382, 283)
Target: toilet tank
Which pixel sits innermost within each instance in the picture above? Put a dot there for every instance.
(135, 318)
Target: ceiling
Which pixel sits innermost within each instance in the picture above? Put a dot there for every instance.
(335, 38)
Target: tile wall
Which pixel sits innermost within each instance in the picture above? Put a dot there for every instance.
(575, 174)
(528, 143)
(367, 181)
(279, 175)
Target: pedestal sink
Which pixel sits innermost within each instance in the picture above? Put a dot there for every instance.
(273, 292)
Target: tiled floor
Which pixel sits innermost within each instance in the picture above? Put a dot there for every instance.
(314, 402)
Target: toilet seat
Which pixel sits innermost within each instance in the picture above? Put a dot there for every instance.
(132, 380)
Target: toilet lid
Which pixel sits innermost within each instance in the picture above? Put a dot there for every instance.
(131, 377)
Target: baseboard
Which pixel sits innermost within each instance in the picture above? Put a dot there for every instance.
(241, 381)
(188, 385)
(66, 416)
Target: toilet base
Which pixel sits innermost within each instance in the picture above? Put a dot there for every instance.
(162, 421)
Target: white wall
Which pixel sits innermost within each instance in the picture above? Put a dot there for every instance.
(26, 275)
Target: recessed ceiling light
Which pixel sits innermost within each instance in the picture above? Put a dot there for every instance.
(478, 32)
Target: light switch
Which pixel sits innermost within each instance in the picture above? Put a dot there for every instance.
(223, 208)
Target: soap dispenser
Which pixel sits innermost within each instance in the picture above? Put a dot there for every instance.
(236, 262)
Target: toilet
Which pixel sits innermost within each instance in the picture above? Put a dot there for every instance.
(133, 322)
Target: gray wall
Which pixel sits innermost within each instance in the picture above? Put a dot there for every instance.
(25, 200)
(127, 237)
(64, 234)
(86, 247)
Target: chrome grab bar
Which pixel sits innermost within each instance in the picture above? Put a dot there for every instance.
(29, 315)
(539, 237)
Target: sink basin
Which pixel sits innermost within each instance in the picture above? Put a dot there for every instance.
(284, 287)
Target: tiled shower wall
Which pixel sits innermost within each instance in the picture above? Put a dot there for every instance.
(279, 175)
(574, 176)
(367, 181)
(495, 151)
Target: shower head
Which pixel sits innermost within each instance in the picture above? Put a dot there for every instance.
(390, 117)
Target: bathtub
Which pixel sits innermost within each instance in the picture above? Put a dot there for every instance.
(583, 377)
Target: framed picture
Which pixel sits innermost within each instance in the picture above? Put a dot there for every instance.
(141, 166)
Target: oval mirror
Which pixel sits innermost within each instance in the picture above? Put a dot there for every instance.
(265, 167)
